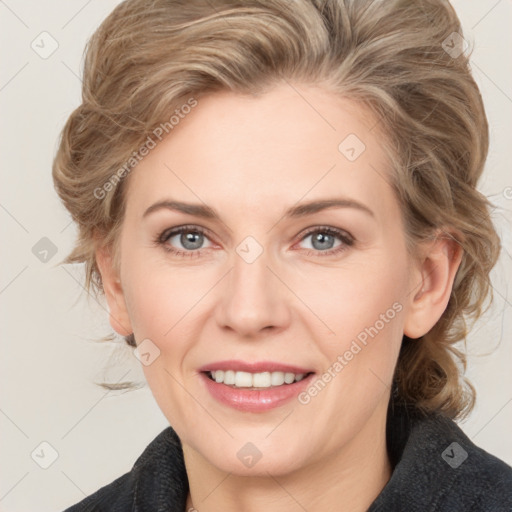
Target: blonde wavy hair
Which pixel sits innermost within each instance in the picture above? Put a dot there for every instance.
(149, 57)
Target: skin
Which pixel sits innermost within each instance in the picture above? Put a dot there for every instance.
(251, 158)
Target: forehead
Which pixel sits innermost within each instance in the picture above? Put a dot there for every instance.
(294, 141)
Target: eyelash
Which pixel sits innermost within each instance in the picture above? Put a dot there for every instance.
(346, 239)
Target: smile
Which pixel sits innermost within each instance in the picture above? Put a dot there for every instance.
(263, 380)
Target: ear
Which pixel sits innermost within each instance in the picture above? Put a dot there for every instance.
(118, 313)
(433, 279)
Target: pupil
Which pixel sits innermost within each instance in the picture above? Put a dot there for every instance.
(322, 239)
(187, 239)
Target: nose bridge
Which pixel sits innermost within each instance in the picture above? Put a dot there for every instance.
(254, 299)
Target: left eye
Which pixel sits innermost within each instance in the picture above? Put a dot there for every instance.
(322, 240)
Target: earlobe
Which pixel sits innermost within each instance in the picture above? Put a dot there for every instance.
(434, 281)
(118, 313)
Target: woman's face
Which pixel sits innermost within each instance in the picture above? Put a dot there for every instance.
(267, 279)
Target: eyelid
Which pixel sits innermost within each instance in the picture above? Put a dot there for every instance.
(176, 230)
(347, 240)
(169, 233)
(342, 233)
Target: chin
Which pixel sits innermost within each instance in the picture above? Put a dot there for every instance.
(249, 457)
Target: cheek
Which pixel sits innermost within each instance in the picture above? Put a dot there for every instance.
(161, 305)
(159, 296)
(363, 304)
(354, 296)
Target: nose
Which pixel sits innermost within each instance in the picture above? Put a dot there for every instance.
(254, 299)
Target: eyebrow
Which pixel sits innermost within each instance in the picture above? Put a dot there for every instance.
(301, 210)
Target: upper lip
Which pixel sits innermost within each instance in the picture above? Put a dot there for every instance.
(255, 367)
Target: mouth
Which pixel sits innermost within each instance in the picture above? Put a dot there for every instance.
(254, 375)
(256, 391)
(255, 381)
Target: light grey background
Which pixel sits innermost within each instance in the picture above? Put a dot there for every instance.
(49, 361)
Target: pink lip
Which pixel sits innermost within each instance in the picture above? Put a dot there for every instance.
(259, 367)
(255, 400)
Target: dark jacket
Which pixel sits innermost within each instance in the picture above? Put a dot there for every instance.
(436, 468)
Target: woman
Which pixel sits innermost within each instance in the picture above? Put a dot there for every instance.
(278, 200)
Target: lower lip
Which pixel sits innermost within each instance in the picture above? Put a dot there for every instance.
(250, 400)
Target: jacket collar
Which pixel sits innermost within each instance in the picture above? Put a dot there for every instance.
(435, 468)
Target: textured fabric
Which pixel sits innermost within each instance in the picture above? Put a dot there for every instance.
(436, 468)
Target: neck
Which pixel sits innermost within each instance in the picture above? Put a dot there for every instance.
(348, 480)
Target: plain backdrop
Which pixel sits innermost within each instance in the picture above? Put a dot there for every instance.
(51, 412)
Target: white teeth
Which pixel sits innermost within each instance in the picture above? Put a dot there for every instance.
(289, 378)
(229, 377)
(255, 380)
(277, 378)
(243, 380)
(261, 380)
